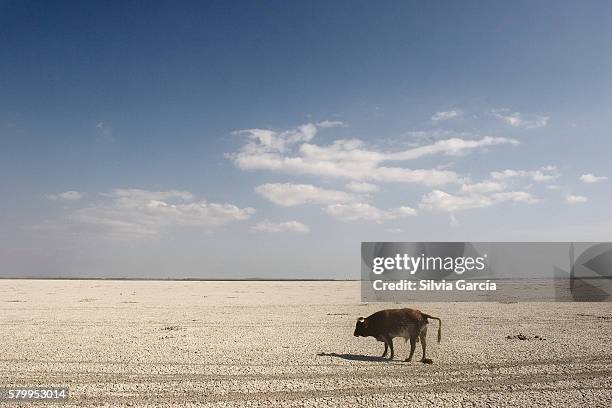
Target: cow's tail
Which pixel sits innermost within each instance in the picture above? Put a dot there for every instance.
(439, 325)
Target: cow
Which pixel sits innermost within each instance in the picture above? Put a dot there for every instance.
(411, 324)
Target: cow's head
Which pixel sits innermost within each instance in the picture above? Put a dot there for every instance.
(361, 328)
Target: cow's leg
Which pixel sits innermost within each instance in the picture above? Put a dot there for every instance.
(390, 343)
(423, 337)
(413, 340)
(386, 347)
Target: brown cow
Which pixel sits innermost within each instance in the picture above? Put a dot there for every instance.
(410, 324)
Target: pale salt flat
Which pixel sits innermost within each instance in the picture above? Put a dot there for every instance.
(165, 343)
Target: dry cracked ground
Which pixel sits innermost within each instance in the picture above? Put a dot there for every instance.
(119, 343)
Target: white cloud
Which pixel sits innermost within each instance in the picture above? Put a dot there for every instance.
(515, 196)
(65, 196)
(444, 202)
(451, 147)
(290, 152)
(362, 187)
(286, 226)
(590, 178)
(575, 199)
(439, 116)
(425, 177)
(137, 212)
(326, 124)
(516, 119)
(263, 140)
(289, 194)
(436, 134)
(483, 187)
(441, 201)
(367, 212)
(138, 194)
(546, 173)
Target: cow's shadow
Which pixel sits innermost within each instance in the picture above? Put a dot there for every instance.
(354, 357)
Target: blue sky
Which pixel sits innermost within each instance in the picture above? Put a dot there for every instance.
(150, 139)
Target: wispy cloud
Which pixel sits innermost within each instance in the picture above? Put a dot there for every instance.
(575, 199)
(517, 119)
(590, 178)
(266, 140)
(294, 151)
(543, 174)
(483, 187)
(367, 212)
(291, 152)
(446, 115)
(135, 212)
(146, 195)
(445, 202)
(450, 147)
(286, 226)
(289, 194)
(362, 187)
(65, 196)
(327, 124)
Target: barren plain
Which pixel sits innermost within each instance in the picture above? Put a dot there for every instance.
(252, 343)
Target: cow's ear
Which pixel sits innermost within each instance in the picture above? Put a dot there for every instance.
(361, 319)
